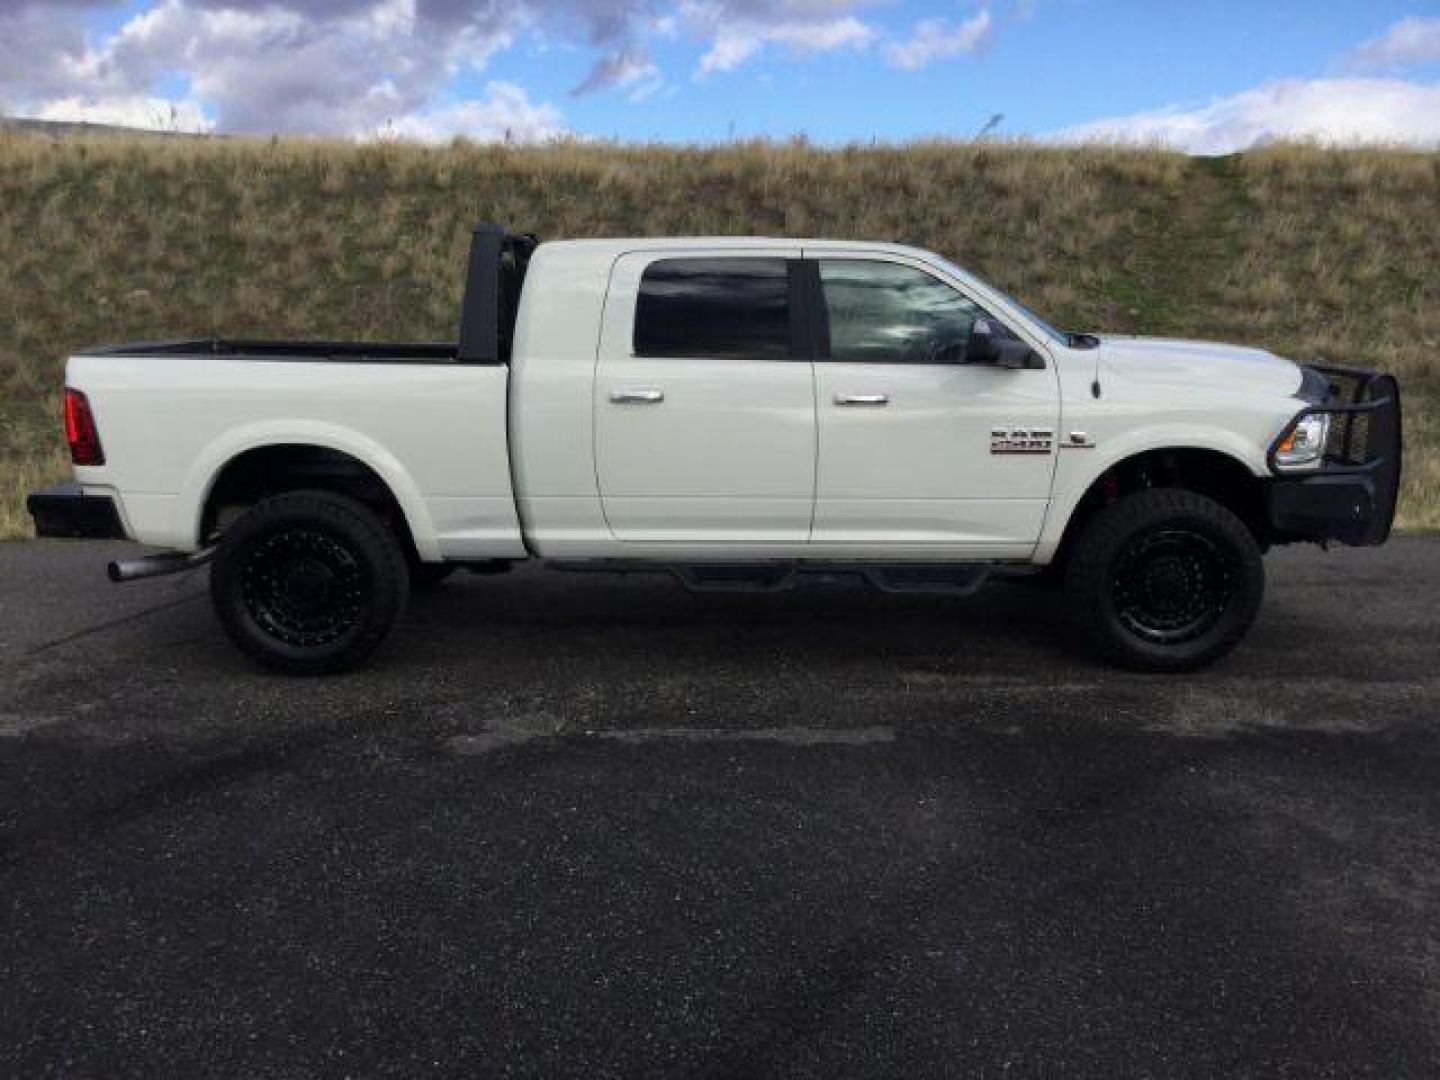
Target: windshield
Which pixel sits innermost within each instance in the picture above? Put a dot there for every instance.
(1057, 336)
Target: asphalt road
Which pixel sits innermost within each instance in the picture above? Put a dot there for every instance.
(600, 827)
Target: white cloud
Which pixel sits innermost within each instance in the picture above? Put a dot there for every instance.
(734, 41)
(734, 31)
(39, 45)
(506, 114)
(731, 49)
(153, 113)
(626, 68)
(344, 69)
(1408, 43)
(937, 39)
(1332, 111)
(349, 66)
(389, 17)
(824, 36)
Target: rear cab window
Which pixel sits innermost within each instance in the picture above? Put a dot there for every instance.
(714, 307)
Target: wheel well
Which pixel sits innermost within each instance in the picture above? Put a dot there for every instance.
(271, 470)
(1207, 472)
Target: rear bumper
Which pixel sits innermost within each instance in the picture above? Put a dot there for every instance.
(1351, 497)
(67, 512)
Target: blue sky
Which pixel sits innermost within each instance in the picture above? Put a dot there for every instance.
(1065, 63)
(1207, 77)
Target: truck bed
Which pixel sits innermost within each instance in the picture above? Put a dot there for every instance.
(431, 428)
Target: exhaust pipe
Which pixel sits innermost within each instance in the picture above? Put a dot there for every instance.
(148, 566)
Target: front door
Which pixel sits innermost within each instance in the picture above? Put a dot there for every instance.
(916, 445)
(705, 401)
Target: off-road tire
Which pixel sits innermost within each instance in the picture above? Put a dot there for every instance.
(1163, 580)
(309, 582)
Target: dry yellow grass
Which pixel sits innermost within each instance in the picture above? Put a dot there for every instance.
(1309, 252)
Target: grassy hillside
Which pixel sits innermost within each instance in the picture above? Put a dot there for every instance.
(1312, 253)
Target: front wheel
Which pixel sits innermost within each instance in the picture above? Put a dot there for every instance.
(309, 582)
(1164, 580)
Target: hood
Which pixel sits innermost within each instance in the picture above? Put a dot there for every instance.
(1171, 362)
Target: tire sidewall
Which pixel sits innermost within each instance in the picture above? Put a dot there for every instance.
(381, 565)
(1091, 583)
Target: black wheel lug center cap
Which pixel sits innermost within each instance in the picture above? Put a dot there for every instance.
(1167, 580)
(308, 582)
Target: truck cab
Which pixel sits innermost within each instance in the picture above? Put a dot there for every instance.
(738, 411)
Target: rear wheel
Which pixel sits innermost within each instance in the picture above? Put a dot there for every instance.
(309, 582)
(1164, 580)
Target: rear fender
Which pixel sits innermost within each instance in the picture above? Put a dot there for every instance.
(200, 480)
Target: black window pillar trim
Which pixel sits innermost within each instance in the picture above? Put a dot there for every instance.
(808, 304)
(800, 300)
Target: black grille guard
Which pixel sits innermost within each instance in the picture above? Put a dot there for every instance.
(1364, 440)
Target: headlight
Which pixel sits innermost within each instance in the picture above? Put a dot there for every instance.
(1304, 442)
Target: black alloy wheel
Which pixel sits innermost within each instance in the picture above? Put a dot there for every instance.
(309, 582)
(1165, 579)
(303, 587)
(1172, 585)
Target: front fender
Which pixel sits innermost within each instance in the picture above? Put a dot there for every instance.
(1079, 468)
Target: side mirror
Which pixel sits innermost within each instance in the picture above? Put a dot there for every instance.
(1018, 356)
(982, 347)
(1003, 352)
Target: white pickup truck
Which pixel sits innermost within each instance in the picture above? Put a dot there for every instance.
(737, 412)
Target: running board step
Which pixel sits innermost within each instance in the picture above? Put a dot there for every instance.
(952, 579)
(733, 578)
(955, 580)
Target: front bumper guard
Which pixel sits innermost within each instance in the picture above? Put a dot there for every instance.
(1351, 497)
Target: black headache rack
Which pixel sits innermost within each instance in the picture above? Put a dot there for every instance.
(1351, 496)
(498, 262)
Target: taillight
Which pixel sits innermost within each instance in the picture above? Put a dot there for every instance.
(80, 430)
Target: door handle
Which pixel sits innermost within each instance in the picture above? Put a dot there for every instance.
(872, 400)
(637, 397)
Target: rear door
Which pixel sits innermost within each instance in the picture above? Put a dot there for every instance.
(916, 446)
(705, 400)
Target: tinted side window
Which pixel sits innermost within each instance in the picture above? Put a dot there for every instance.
(714, 307)
(888, 313)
